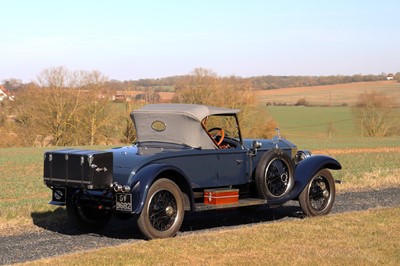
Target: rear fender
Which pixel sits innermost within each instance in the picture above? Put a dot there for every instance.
(145, 177)
(304, 171)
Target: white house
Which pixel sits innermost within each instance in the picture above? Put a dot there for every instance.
(390, 76)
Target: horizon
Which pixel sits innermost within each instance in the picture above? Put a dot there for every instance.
(2, 82)
(132, 40)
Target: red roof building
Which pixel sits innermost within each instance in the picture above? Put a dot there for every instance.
(5, 94)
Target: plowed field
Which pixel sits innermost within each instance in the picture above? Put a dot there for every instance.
(331, 95)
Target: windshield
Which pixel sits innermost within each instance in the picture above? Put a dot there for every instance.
(226, 122)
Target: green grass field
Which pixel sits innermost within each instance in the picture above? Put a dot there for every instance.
(314, 122)
(308, 123)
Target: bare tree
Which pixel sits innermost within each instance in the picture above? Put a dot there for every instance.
(97, 113)
(67, 108)
(375, 114)
(49, 114)
(198, 88)
(205, 87)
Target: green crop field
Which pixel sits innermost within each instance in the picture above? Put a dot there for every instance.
(314, 122)
(301, 122)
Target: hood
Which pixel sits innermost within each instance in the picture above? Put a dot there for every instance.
(269, 144)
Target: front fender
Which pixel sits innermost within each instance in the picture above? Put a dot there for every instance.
(304, 171)
(142, 180)
(307, 168)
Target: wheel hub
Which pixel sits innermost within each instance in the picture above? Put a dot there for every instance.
(169, 211)
(325, 194)
(284, 178)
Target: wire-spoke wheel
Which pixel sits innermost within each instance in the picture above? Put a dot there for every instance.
(274, 174)
(163, 211)
(318, 196)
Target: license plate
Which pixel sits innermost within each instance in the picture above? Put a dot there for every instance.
(124, 202)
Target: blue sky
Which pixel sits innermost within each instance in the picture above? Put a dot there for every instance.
(152, 39)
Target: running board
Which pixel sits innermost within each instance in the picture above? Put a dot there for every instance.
(241, 203)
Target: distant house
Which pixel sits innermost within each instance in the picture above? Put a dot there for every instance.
(5, 94)
(390, 76)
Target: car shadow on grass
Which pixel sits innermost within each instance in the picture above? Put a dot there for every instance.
(56, 221)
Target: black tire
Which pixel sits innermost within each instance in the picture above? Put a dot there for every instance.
(87, 219)
(274, 174)
(163, 210)
(318, 196)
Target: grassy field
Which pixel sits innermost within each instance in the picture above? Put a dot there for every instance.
(318, 122)
(314, 122)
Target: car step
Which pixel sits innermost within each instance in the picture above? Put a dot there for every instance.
(241, 203)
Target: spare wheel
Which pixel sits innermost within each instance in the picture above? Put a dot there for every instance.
(274, 174)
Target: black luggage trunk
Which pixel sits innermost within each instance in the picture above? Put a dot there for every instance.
(78, 168)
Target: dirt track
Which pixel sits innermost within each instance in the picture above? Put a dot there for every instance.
(56, 239)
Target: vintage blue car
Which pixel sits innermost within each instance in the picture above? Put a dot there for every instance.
(186, 158)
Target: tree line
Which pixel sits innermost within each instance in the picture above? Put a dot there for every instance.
(258, 83)
(267, 82)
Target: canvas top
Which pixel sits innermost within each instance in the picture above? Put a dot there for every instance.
(176, 123)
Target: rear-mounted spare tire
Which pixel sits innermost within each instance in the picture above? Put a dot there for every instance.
(274, 174)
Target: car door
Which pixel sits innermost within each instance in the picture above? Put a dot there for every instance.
(233, 167)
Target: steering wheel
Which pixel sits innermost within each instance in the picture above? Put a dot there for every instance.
(220, 132)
